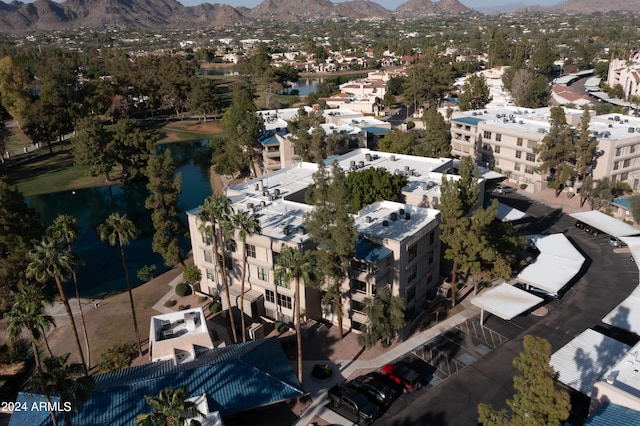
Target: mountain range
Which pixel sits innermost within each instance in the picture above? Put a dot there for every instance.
(47, 15)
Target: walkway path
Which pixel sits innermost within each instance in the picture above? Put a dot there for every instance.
(344, 369)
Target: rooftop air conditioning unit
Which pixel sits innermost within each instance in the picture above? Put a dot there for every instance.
(385, 223)
(250, 206)
(401, 212)
(360, 164)
(407, 216)
(367, 219)
(393, 216)
(631, 130)
(392, 158)
(367, 157)
(301, 230)
(276, 192)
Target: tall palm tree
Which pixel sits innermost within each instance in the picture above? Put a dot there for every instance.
(33, 293)
(48, 260)
(294, 265)
(68, 381)
(117, 229)
(66, 229)
(247, 225)
(171, 408)
(28, 312)
(216, 210)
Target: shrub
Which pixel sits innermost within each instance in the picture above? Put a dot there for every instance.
(170, 303)
(215, 307)
(571, 194)
(321, 371)
(117, 357)
(147, 272)
(282, 327)
(202, 299)
(183, 307)
(523, 186)
(410, 125)
(183, 289)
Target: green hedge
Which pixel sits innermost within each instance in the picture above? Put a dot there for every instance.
(183, 289)
(215, 307)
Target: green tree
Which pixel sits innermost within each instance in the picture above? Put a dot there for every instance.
(475, 93)
(429, 81)
(241, 126)
(19, 225)
(89, 147)
(147, 272)
(171, 407)
(165, 186)
(130, 147)
(398, 142)
(48, 260)
(117, 357)
(536, 401)
(295, 265)
(586, 148)
(634, 205)
(543, 57)
(457, 199)
(537, 93)
(214, 218)
(386, 316)
(331, 226)
(373, 184)
(301, 135)
(66, 229)
(15, 88)
(191, 274)
(437, 141)
(204, 97)
(556, 153)
(118, 229)
(246, 225)
(67, 380)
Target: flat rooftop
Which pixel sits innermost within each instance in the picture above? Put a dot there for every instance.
(626, 373)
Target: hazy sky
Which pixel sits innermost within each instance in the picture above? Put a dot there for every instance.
(389, 4)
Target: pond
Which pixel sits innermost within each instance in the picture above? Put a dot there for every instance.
(102, 270)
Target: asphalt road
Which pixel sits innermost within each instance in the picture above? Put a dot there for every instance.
(605, 281)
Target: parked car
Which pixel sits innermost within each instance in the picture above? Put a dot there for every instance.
(546, 295)
(403, 375)
(504, 189)
(616, 242)
(352, 405)
(580, 225)
(375, 386)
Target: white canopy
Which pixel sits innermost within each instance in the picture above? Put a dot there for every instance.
(582, 362)
(626, 315)
(505, 301)
(509, 214)
(606, 223)
(557, 263)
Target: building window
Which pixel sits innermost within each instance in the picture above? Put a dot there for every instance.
(412, 273)
(519, 142)
(251, 250)
(411, 293)
(269, 295)
(496, 149)
(280, 281)
(518, 154)
(528, 170)
(498, 137)
(412, 252)
(616, 165)
(432, 237)
(632, 149)
(262, 274)
(430, 257)
(624, 176)
(516, 167)
(284, 301)
(531, 157)
(209, 274)
(618, 152)
(626, 163)
(206, 238)
(208, 256)
(231, 246)
(487, 134)
(359, 286)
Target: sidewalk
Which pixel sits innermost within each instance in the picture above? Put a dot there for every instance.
(345, 368)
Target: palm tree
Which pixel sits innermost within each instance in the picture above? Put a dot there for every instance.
(216, 210)
(68, 381)
(48, 260)
(66, 229)
(171, 408)
(33, 293)
(117, 229)
(28, 312)
(247, 225)
(294, 265)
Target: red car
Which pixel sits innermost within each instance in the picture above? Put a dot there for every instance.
(403, 375)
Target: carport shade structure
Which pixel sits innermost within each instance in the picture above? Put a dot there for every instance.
(505, 301)
(557, 263)
(606, 223)
(626, 316)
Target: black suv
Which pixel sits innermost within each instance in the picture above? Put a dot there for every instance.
(377, 387)
(352, 405)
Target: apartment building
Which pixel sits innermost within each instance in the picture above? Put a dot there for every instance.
(626, 73)
(505, 138)
(398, 245)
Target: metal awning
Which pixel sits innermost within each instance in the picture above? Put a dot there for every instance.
(583, 361)
(606, 223)
(505, 301)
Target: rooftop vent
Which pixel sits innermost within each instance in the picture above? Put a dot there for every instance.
(361, 164)
(631, 130)
(265, 193)
(367, 157)
(367, 219)
(393, 216)
(375, 156)
(392, 158)
(616, 118)
(276, 192)
(385, 223)
(401, 212)
(407, 216)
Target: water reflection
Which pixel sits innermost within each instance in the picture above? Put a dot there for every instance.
(102, 270)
